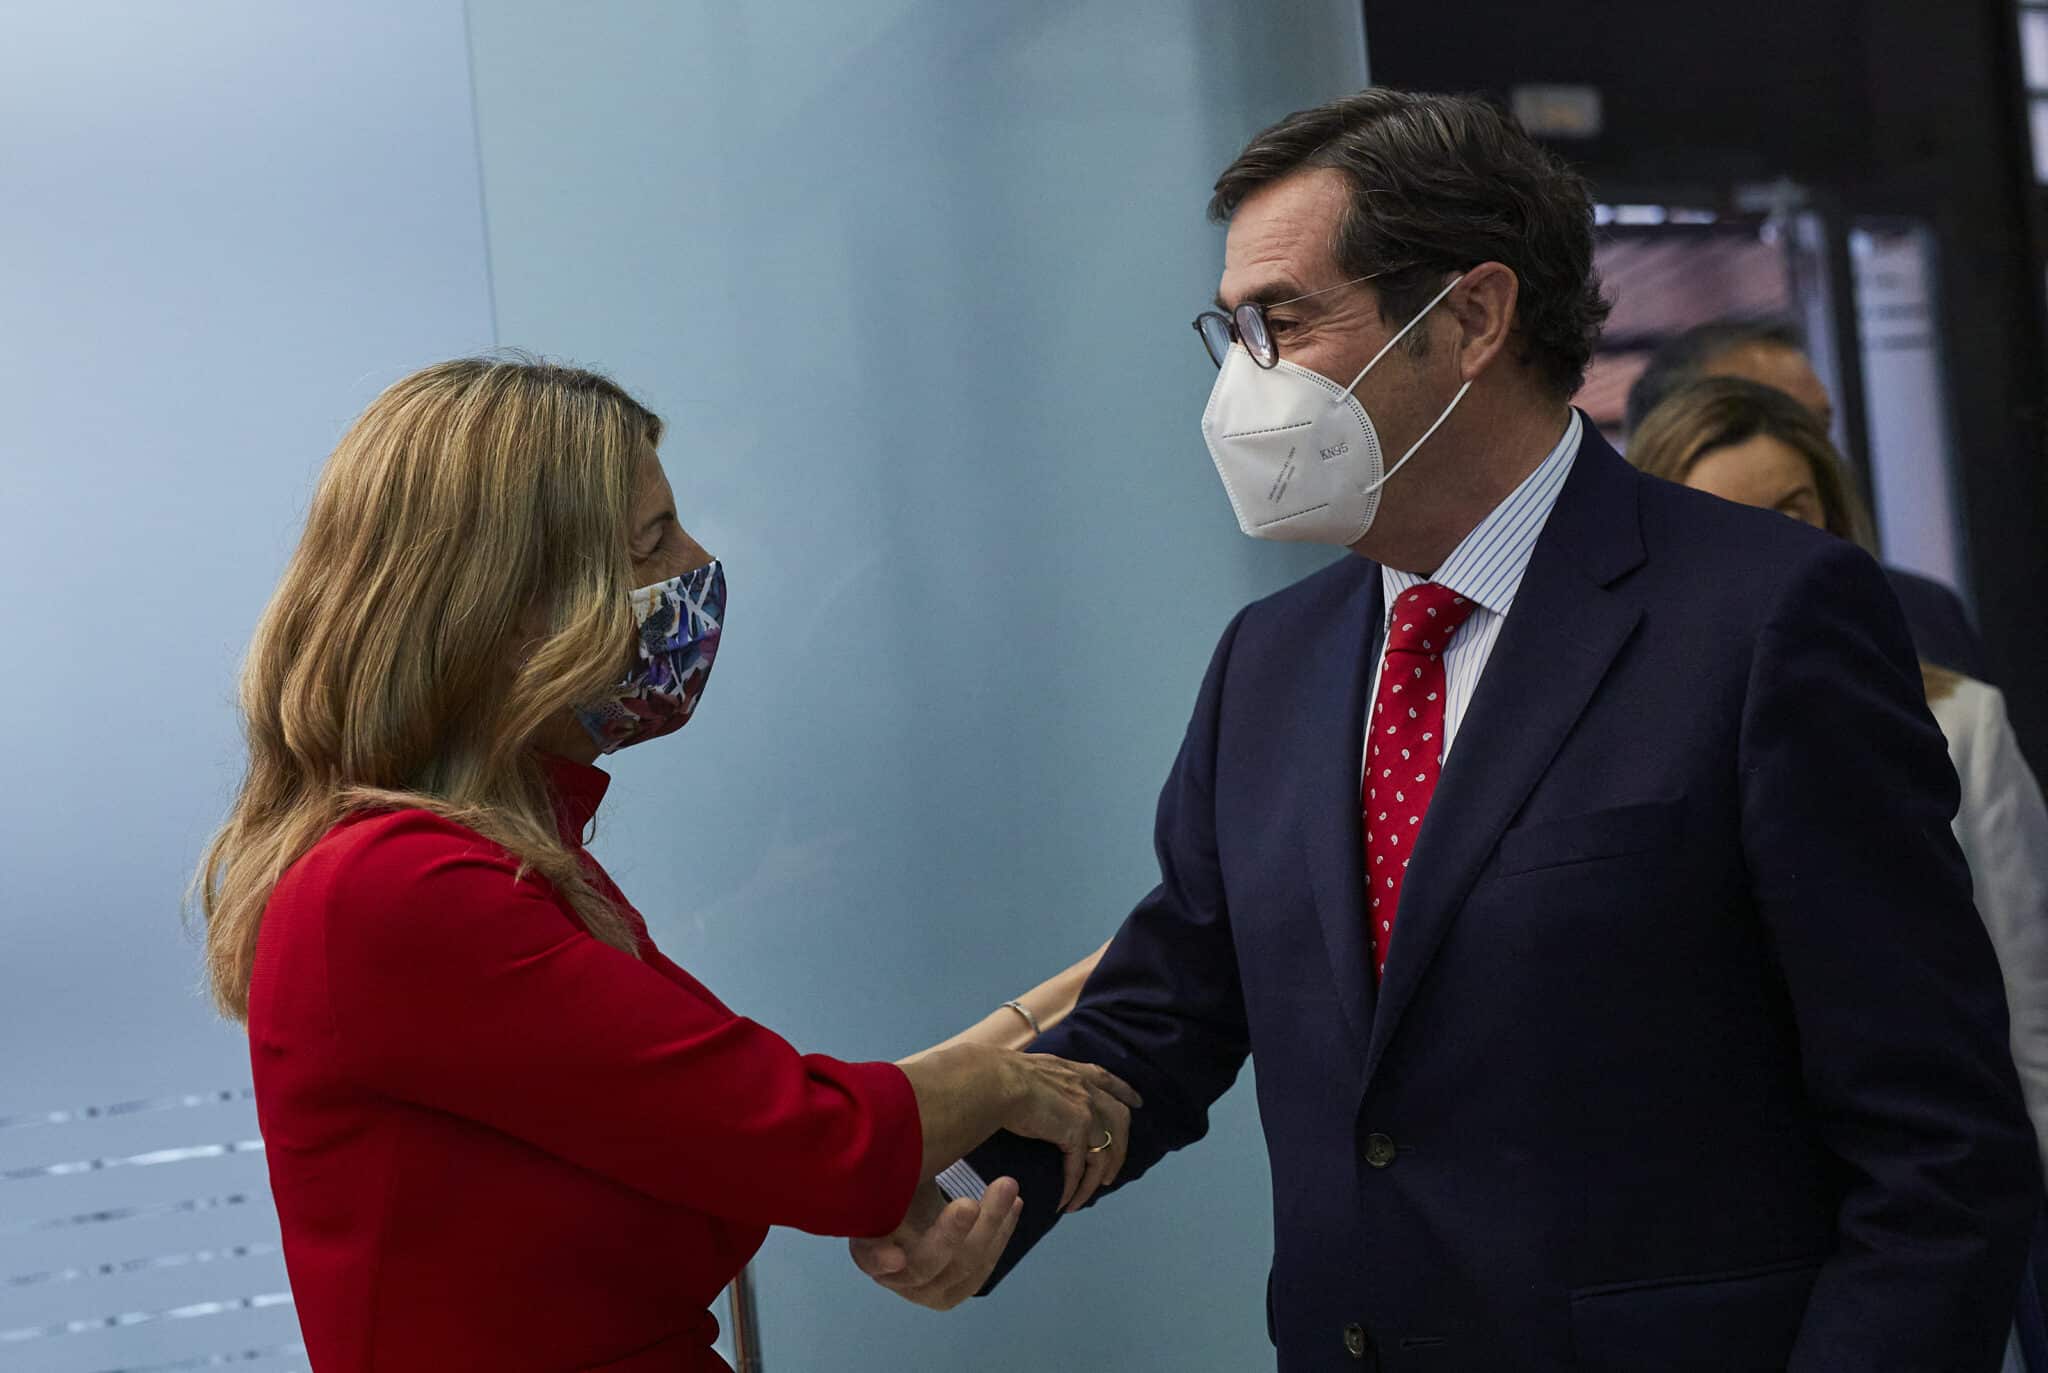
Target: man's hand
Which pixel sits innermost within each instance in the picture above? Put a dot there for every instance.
(942, 1253)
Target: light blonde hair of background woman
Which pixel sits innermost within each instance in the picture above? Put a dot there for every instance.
(441, 608)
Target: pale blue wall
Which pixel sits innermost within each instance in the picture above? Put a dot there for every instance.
(912, 283)
(226, 226)
(910, 280)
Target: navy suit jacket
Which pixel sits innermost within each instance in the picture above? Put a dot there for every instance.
(1940, 626)
(1691, 1050)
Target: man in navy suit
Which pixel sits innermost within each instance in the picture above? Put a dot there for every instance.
(1575, 858)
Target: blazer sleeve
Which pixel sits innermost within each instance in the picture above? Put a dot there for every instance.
(1938, 622)
(1847, 795)
(2003, 825)
(459, 988)
(1164, 1008)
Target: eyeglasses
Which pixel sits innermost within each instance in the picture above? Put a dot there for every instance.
(1247, 325)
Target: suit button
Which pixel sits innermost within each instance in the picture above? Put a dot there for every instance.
(1354, 1341)
(1379, 1150)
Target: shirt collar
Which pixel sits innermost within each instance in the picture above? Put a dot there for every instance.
(1487, 565)
(577, 789)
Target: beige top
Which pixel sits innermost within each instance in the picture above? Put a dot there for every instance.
(2002, 825)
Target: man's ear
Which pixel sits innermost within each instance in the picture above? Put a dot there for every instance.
(1484, 306)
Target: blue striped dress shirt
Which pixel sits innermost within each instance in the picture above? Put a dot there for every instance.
(1485, 568)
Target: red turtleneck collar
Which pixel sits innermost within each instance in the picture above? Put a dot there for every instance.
(578, 788)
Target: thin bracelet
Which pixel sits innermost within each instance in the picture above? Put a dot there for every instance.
(1029, 1019)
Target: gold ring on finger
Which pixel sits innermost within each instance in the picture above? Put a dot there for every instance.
(1107, 1140)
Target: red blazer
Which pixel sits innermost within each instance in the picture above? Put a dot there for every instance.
(496, 1143)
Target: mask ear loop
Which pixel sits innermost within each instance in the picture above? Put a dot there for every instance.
(1388, 475)
(1420, 315)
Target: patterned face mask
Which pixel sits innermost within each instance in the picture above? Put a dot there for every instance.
(679, 626)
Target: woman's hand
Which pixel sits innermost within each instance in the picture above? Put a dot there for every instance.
(1084, 1109)
(967, 1092)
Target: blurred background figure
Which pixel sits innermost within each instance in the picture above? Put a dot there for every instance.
(1753, 443)
(1762, 350)
(1770, 354)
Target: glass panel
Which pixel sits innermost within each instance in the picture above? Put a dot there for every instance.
(2034, 48)
(1911, 459)
(287, 196)
(1808, 260)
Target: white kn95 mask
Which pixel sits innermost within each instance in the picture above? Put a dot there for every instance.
(1298, 454)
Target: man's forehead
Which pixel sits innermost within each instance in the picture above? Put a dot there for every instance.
(1774, 364)
(1282, 238)
(1787, 359)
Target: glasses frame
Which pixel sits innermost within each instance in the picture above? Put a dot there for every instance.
(1248, 323)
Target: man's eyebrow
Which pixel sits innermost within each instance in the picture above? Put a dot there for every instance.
(1271, 293)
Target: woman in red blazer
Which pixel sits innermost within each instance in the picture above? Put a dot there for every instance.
(504, 1131)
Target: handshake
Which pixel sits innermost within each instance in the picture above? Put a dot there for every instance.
(942, 1253)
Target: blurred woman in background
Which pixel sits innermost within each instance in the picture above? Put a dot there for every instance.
(1749, 443)
(503, 1129)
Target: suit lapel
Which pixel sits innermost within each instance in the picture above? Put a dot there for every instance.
(1561, 635)
(1330, 742)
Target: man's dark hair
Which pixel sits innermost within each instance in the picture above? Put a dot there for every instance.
(1685, 358)
(1440, 184)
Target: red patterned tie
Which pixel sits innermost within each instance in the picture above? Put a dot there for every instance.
(1405, 745)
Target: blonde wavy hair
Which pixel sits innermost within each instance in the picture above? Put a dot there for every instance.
(463, 578)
